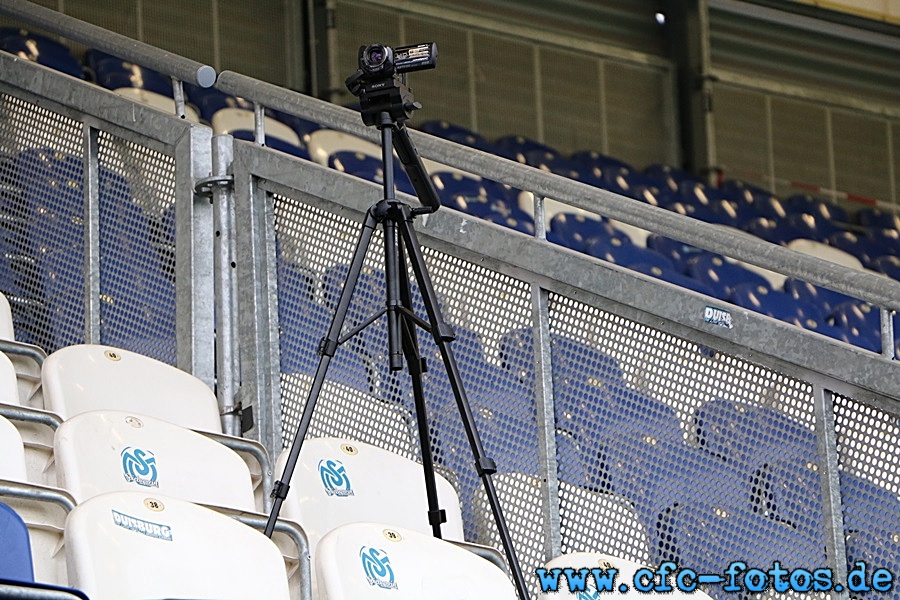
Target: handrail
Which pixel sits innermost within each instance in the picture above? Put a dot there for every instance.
(879, 291)
(92, 36)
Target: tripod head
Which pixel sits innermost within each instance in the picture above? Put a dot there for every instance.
(386, 102)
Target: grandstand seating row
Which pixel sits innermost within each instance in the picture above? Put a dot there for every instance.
(802, 222)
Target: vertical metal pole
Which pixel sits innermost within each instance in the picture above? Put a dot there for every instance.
(178, 94)
(91, 235)
(225, 285)
(887, 334)
(259, 124)
(830, 485)
(194, 288)
(543, 396)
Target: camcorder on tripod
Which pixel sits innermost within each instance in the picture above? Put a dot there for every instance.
(386, 103)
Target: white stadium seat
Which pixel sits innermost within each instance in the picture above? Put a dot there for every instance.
(86, 377)
(12, 452)
(105, 451)
(231, 119)
(325, 142)
(368, 560)
(338, 481)
(158, 101)
(134, 545)
(6, 323)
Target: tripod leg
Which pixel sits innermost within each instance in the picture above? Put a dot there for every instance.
(416, 367)
(443, 335)
(327, 348)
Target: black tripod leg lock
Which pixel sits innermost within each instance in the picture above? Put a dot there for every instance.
(436, 517)
(327, 347)
(485, 465)
(280, 490)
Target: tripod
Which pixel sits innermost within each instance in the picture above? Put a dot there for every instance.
(400, 244)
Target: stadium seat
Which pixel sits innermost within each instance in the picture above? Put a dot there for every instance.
(867, 506)
(821, 209)
(625, 571)
(324, 142)
(865, 249)
(827, 300)
(671, 177)
(876, 551)
(813, 227)
(108, 451)
(776, 231)
(722, 275)
(340, 481)
(878, 218)
(788, 489)
(112, 538)
(677, 252)
(749, 435)
(114, 74)
(44, 51)
(614, 525)
(241, 123)
(367, 560)
(15, 547)
(456, 133)
(672, 276)
(776, 304)
(889, 265)
(516, 147)
(12, 452)
(87, 377)
(709, 534)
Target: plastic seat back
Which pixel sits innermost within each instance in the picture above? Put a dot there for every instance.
(12, 452)
(107, 451)
(88, 377)
(15, 547)
(366, 560)
(144, 545)
(338, 481)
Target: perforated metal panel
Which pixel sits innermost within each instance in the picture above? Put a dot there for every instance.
(716, 456)
(137, 248)
(869, 454)
(46, 220)
(43, 236)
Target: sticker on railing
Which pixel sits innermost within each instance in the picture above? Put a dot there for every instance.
(718, 316)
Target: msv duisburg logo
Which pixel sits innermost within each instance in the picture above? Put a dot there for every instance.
(334, 478)
(377, 567)
(139, 466)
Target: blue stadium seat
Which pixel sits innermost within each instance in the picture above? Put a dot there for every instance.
(679, 253)
(878, 218)
(788, 489)
(515, 147)
(114, 73)
(778, 305)
(575, 230)
(709, 534)
(889, 265)
(776, 231)
(867, 506)
(672, 276)
(749, 435)
(15, 547)
(456, 133)
(721, 275)
(609, 166)
(273, 142)
(44, 51)
(364, 166)
(876, 551)
(889, 238)
(627, 254)
(862, 247)
(450, 185)
(671, 177)
(827, 300)
(813, 227)
(820, 208)
(521, 222)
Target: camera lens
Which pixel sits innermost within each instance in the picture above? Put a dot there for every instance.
(375, 55)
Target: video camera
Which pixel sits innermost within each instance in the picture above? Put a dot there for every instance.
(379, 83)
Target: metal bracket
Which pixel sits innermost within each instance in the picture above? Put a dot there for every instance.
(206, 186)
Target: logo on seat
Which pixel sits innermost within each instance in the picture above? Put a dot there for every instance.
(334, 478)
(139, 466)
(377, 567)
